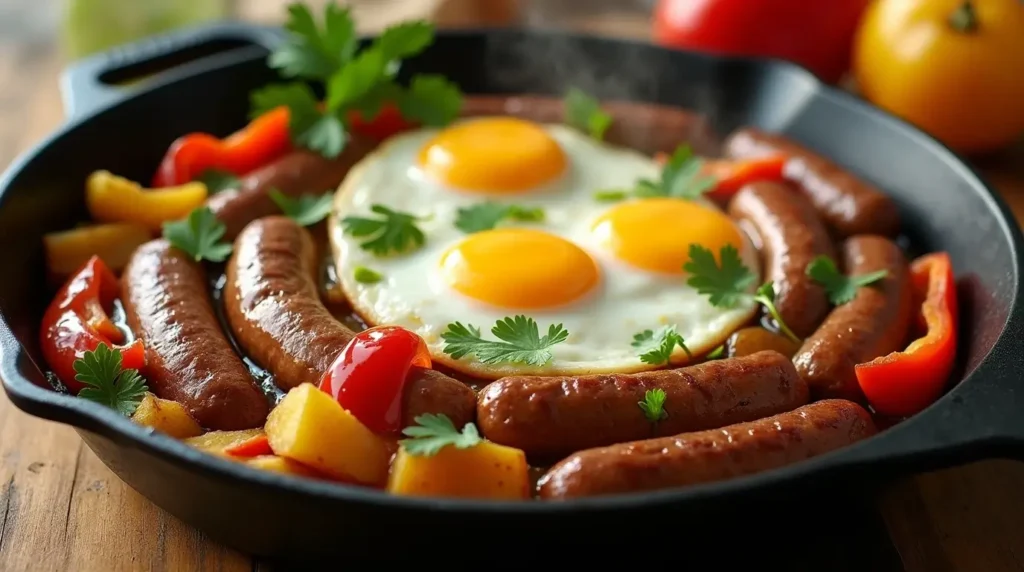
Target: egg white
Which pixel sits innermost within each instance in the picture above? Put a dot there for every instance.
(413, 293)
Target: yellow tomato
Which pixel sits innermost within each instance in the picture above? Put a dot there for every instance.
(955, 68)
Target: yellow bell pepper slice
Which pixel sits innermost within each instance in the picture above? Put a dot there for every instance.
(111, 198)
(68, 250)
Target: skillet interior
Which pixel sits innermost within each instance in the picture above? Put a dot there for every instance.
(944, 204)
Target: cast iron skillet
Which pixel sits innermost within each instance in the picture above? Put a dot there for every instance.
(945, 206)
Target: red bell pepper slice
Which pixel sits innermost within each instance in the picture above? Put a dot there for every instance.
(254, 447)
(732, 175)
(368, 376)
(903, 383)
(265, 138)
(77, 321)
(387, 123)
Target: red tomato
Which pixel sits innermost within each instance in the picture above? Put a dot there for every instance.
(368, 376)
(815, 34)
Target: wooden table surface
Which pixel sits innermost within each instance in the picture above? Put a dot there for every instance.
(61, 509)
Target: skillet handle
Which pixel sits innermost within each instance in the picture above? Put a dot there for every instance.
(106, 78)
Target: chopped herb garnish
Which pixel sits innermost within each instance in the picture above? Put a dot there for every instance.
(199, 236)
(680, 178)
(520, 337)
(487, 215)
(656, 347)
(364, 275)
(610, 196)
(106, 383)
(217, 180)
(306, 210)
(839, 287)
(584, 112)
(434, 432)
(717, 353)
(390, 232)
(653, 405)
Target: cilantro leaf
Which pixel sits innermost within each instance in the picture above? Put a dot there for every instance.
(106, 383)
(405, 39)
(391, 232)
(726, 285)
(765, 296)
(433, 100)
(839, 287)
(310, 52)
(584, 113)
(680, 177)
(327, 136)
(306, 210)
(656, 348)
(199, 236)
(434, 432)
(364, 275)
(487, 215)
(653, 405)
(356, 79)
(610, 196)
(217, 180)
(520, 342)
(324, 133)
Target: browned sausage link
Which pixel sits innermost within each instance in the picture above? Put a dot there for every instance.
(849, 205)
(873, 324)
(188, 358)
(645, 127)
(706, 456)
(298, 173)
(791, 236)
(551, 417)
(275, 312)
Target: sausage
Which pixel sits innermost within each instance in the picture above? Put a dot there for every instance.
(549, 417)
(849, 205)
(188, 358)
(873, 324)
(713, 455)
(300, 172)
(274, 309)
(791, 236)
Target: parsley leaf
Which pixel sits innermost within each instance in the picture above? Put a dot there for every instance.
(433, 100)
(584, 113)
(310, 52)
(106, 383)
(324, 133)
(364, 275)
(653, 405)
(610, 196)
(521, 341)
(217, 180)
(717, 353)
(726, 285)
(434, 432)
(657, 347)
(391, 232)
(487, 215)
(199, 236)
(306, 210)
(405, 39)
(356, 79)
(839, 287)
(680, 178)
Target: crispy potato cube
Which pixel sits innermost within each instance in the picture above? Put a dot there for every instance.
(485, 471)
(310, 427)
(167, 416)
(282, 465)
(216, 442)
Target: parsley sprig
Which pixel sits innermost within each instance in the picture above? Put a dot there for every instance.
(653, 405)
(584, 112)
(656, 347)
(680, 178)
(727, 284)
(199, 236)
(434, 432)
(217, 180)
(364, 275)
(306, 210)
(355, 80)
(487, 215)
(107, 383)
(390, 232)
(520, 337)
(839, 287)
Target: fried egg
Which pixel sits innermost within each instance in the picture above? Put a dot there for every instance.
(606, 272)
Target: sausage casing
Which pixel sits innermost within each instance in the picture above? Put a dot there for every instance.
(188, 358)
(274, 309)
(549, 417)
(713, 455)
(791, 236)
(849, 205)
(873, 324)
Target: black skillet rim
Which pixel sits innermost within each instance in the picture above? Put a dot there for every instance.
(95, 418)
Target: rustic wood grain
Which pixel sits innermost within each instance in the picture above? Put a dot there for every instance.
(61, 509)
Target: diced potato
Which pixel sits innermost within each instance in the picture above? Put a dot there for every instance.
(282, 465)
(167, 416)
(485, 471)
(68, 250)
(216, 442)
(310, 427)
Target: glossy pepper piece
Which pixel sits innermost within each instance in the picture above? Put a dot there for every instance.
(111, 198)
(368, 376)
(77, 321)
(733, 175)
(253, 447)
(387, 123)
(903, 383)
(265, 138)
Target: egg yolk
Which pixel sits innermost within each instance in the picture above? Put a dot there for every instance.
(519, 268)
(498, 154)
(655, 234)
